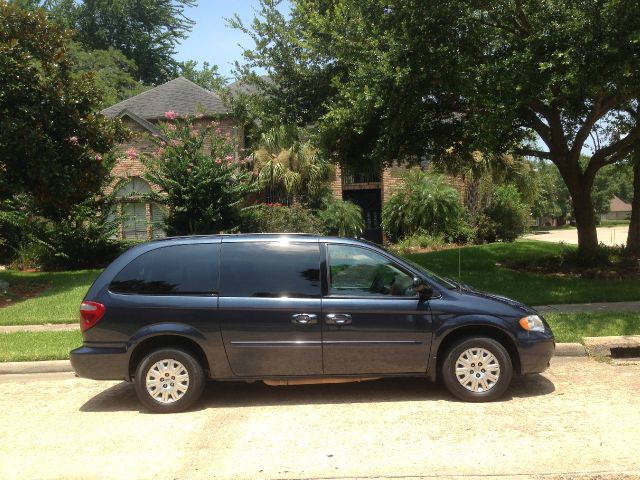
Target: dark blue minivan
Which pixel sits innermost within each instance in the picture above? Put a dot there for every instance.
(290, 308)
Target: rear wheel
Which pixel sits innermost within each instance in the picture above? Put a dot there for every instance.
(477, 369)
(169, 380)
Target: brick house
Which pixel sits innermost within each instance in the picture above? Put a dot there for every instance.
(142, 113)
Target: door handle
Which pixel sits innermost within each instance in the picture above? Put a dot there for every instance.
(304, 319)
(338, 319)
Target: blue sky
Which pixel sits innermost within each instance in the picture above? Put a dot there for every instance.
(211, 39)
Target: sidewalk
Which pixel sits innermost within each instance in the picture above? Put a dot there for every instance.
(590, 307)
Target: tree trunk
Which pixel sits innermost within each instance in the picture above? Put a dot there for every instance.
(585, 216)
(633, 239)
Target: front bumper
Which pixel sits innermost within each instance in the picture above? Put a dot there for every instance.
(535, 353)
(101, 363)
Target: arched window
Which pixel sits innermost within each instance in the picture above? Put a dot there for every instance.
(142, 219)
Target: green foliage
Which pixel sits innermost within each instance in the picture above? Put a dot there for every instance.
(207, 76)
(382, 82)
(113, 74)
(146, 31)
(290, 164)
(419, 240)
(508, 212)
(341, 218)
(51, 138)
(277, 218)
(202, 182)
(424, 202)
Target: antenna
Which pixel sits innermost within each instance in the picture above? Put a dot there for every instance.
(459, 263)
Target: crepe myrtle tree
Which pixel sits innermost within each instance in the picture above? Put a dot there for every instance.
(202, 181)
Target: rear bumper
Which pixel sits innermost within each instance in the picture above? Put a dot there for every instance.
(535, 354)
(101, 363)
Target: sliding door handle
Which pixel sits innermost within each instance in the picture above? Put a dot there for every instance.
(338, 319)
(304, 319)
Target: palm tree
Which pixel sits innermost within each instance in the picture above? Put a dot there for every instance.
(285, 163)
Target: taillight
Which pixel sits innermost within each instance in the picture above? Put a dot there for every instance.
(90, 314)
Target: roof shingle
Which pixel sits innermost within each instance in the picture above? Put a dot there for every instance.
(182, 96)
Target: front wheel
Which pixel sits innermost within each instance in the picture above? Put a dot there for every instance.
(169, 380)
(477, 369)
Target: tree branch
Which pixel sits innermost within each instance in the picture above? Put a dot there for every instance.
(558, 141)
(601, 106)
(530, 152)
(613, 153)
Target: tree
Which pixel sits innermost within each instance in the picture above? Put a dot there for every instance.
(113, 73)
(633, 238)
(207, 76)
(51, 138)
(202, 182)
(511, 76)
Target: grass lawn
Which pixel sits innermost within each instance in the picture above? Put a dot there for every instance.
(58, 301)
(479, 270)
(567, 327)
(572, 327)
(27, 346)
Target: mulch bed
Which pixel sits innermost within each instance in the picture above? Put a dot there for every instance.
(21, 291)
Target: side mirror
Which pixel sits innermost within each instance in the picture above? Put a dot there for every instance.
(423, 288)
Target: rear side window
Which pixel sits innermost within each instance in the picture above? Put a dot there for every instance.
(175, 270)
(270, 269)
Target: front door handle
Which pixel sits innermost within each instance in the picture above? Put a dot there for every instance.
(338, 319)
(304, 319)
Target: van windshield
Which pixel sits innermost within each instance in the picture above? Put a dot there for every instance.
(446, 283)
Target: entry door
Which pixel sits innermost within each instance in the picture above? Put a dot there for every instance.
(270, 308)
(373, 321)
(370, 201)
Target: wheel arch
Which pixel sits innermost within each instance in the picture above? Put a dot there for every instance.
(469, 331)
(169, 340)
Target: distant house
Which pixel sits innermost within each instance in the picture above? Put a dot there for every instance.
(142, 114)
(618, 210)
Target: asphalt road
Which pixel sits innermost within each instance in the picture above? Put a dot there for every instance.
(580, 419)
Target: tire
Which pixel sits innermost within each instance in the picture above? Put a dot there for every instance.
(169, 396)
(460, 372)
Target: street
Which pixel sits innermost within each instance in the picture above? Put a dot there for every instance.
(580, 418)
(607, 235)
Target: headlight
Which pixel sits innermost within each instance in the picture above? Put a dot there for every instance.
(532, 323)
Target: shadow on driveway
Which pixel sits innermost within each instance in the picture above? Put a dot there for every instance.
(122, 397)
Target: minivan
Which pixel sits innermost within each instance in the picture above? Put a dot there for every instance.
(169, 315)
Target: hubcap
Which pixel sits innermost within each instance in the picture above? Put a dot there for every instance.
(167, 381)
(477, 370)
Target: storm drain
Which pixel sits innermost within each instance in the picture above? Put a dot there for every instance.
(625, 352)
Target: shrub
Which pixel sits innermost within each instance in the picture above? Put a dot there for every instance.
(425, 203)
(508, 212)
(484, 228)
(276, 218)
(341, 218)
(418, 241)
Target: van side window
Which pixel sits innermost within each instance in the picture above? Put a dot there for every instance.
(175, 270)
(270, 270)
(355, 271)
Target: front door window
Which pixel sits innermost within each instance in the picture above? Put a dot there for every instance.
(355, 271)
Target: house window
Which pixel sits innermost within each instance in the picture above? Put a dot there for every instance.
(141, 218)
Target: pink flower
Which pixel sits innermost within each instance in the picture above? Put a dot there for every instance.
(171, 127)
(218, 131)
(131, 154)
(163, 143)
(160, 152)
(175, 142)
(229, 158)
(199, 115)
(98, 158)
(170, 115)
(218, 161)
(73, 140)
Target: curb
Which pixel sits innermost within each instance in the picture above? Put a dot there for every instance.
(56, 366)
(49, 366)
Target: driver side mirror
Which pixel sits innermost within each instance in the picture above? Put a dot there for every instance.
(423, 288)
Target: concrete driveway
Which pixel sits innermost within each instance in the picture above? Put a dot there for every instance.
(579, 419)
(608, 235)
